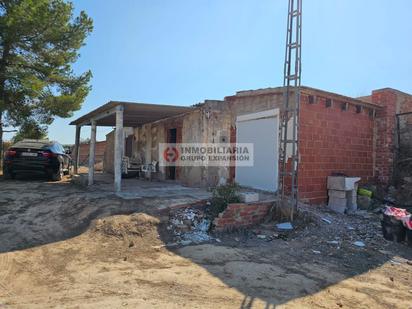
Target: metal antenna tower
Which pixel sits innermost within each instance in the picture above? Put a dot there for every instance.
(289, 124)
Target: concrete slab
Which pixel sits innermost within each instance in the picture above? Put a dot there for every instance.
(337, 204)
(249, 197)
(342, 183)
(162, 194)
(337, 193)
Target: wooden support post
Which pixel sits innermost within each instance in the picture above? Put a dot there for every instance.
(92, 151)
(118, 149)
(76, 152)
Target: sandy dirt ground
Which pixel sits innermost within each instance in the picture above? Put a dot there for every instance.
(53, 256)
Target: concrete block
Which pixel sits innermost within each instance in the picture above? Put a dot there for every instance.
(342, 183)
(249, 197)
(338, 204)
(364, 202)
(351, 199)
(337, 193)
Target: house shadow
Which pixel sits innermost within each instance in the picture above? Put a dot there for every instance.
(275, 273)
(266, 273)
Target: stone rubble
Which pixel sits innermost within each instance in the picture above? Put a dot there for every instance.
(189, 226)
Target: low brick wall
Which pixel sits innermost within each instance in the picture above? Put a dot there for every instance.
(240, 215)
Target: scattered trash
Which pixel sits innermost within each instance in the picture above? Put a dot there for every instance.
(218, 240)
(189, 226)
(316, 252)
(333, 242)
(327, 221)
(359, 244)
(284, 226)
(261, 236)
(385, 252)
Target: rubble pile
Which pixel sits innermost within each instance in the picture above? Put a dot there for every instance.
(361, 226)
(189, 226)
(126, 226)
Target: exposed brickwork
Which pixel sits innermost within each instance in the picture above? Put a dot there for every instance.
(85, 149)
(404, 140)
(332, 140)
(239, 215)
(385, 133)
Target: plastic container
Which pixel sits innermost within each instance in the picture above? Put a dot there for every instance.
(393, 229)
(409, 237)
(365, 192)
(408, 226)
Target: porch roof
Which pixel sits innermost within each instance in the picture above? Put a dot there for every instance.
(134, 115)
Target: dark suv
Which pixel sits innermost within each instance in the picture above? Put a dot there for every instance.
(41, 156)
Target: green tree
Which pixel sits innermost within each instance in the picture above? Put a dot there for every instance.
(32, 130)
(39, 43)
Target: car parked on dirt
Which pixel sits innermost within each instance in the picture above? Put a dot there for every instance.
(37, 156)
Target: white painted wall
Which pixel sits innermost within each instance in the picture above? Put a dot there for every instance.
(261, 129)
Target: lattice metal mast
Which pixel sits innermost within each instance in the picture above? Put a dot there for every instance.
(290, 115)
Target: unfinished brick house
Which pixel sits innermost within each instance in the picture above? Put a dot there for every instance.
(337, 134)
(84, 150)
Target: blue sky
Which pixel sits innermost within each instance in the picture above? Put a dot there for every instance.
(184, 51)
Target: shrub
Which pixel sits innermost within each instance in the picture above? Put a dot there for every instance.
(222, 196)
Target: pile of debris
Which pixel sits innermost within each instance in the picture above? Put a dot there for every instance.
(189, 226)
(126, 226)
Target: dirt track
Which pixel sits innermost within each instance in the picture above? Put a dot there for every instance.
(121, 261)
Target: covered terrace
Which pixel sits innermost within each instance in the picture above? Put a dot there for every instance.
(119, 115)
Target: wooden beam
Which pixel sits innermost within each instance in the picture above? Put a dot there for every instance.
(92, 151)
(100, 116)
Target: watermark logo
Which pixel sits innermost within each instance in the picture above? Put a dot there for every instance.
(170, 154)
(206, 154)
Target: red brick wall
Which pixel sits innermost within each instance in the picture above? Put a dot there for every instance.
(385, 138)
(239, 215)
(392, 102)
(405, 126)
(84, 153)
(332, 141)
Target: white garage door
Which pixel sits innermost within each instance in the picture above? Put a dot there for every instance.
(261, 129)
